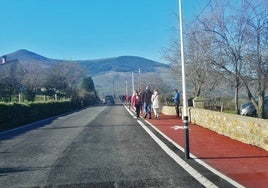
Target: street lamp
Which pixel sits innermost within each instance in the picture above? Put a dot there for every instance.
(126, 88)
(132, 75)
(138, 81)
(185, 105)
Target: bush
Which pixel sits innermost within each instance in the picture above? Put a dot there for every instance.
(13, 114)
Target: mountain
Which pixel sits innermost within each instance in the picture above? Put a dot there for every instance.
(121, 64)
(25, 56)
(110, 74)
(94, 67)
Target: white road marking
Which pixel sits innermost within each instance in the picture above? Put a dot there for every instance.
(231, 181)
(182, 163)
(199, 177)
(177, 127)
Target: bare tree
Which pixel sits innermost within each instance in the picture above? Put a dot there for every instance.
(11, 75)
(34, 79)
(226, 24)
(200, 71)
(201, 75)
(240, 41)
(65, 77)
(256, 20)
(155, 82)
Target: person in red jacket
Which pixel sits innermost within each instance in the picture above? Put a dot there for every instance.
(136, 102)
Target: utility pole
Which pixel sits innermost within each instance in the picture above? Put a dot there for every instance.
(185, 105)
(126, 88)
(133, 83)
(139, 80)
(113, 89)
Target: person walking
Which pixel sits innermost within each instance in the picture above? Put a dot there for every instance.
(156, 103)
(176, 99)
(147, 103)
(128, 101)
(136, 103)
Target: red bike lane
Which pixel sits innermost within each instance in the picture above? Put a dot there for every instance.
(243, 163)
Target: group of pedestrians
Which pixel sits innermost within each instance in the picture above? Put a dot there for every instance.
(149, 102)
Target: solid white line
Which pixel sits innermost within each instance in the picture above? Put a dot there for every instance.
(199, 177)
(129, 111)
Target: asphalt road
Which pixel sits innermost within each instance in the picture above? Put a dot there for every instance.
(100, 146)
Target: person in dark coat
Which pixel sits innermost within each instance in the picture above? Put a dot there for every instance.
(146, 101)
(176, 99)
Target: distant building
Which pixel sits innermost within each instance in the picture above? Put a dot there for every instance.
(5, 60)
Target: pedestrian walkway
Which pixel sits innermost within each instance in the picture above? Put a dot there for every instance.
(243, 163)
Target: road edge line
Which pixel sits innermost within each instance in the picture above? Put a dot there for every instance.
(199, 177)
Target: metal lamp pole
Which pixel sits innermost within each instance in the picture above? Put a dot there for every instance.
(185, 105)
(126, 88)
(133, 87)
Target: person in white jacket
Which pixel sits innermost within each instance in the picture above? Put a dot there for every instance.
(156, 103)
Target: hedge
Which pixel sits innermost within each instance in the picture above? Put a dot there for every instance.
(13, 114)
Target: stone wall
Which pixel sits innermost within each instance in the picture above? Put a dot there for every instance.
(168, 110)
(248, 130)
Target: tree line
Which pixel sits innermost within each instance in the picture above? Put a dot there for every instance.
(61, 80)
(227, 44)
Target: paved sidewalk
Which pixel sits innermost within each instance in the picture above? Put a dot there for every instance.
(245, 164)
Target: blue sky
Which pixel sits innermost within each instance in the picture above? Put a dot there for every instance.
(92, 29)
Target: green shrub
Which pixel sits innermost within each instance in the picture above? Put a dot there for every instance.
(13, 114)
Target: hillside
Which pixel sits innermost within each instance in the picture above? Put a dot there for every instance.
(121, 64)
(94, 67)
(109, 74)
(25, 57)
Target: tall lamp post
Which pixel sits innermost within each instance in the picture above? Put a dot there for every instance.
(126, 88)
(113, 89)
(185, 105)
(139, 79)
(133, 87)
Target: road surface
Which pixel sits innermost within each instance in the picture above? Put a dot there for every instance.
(100, 146)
